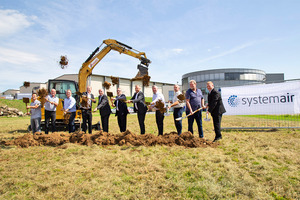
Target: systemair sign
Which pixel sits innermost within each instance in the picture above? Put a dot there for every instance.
(279, 98)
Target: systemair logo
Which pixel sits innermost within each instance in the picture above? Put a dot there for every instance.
(233, 101)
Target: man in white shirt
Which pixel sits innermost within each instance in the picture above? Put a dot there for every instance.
(36, 114)
(50, 110)
(159, 116)
(70, 106)
(178, 106)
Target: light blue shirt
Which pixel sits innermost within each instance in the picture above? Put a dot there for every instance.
(70, 104)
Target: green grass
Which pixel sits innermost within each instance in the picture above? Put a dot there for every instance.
(246, 165)
(276, 117)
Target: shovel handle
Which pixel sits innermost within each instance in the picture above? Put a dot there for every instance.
(180, 118)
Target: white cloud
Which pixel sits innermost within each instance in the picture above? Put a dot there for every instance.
(12, 21)
(177, 51)
(17, 57)
(231, 51)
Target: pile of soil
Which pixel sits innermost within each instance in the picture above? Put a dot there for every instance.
(160, 106)
(42, 93)
(181, 97)
(127, 138)
(115, 80)
(106, 85)
(63, 62)
(10, 112)
(26, 84)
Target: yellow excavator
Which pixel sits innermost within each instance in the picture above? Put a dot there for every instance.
(85, 71)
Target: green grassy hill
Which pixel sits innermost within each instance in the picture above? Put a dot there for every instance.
(14, 104)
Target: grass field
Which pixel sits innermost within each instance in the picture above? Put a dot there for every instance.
(246, 165)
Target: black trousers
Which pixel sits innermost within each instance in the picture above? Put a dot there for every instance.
(104, 121)
(122, 121)
(50, 115)
(87, 118)
(141, 118)
(160, 122)
(217, 125)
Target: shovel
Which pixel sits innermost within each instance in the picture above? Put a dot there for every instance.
(26, 101)
(206, 118)
(167, 113)
(180, 118)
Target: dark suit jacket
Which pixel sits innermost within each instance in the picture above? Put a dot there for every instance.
(104, 106)
(92, 97)
(140, 101)
(122, 106)
(215, 103)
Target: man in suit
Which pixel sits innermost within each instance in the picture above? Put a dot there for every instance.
(121, 109)
(216, 108)
(104, 107)
(87, 110)
(140, 107)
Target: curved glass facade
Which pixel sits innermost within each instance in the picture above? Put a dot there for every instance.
(224, 78)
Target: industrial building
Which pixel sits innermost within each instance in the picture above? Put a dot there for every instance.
(229, 77)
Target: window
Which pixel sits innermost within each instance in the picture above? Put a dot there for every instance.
(62, 86)
(171, 95)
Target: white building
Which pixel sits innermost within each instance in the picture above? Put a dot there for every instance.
(126, 85)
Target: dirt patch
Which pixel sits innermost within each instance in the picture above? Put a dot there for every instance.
(126, 138)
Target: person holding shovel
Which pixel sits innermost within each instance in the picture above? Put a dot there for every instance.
(178, 106)
(70, 107)
(50, 110)
(216, 108)
(159, 115)
(36, 114)
(121, 109)
(140, 107)
(194, 101)
(87, 116)
(104, 109)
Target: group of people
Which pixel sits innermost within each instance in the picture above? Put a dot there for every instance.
(193, 97)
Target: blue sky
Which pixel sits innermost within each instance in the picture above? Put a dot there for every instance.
(177, 36)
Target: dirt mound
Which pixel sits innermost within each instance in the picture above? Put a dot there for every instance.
(38, 139)
(103, 138)
(10, 112)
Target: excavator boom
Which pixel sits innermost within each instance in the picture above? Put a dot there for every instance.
(98, 54)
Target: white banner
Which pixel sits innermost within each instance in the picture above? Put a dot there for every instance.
(268, 99)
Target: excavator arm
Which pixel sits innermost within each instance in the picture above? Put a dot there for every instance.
(97, 56)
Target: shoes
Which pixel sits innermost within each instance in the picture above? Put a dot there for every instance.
(218, 138)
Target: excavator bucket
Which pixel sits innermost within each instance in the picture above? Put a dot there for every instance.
(143, 68)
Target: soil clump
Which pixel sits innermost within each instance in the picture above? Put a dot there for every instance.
(126, 138)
